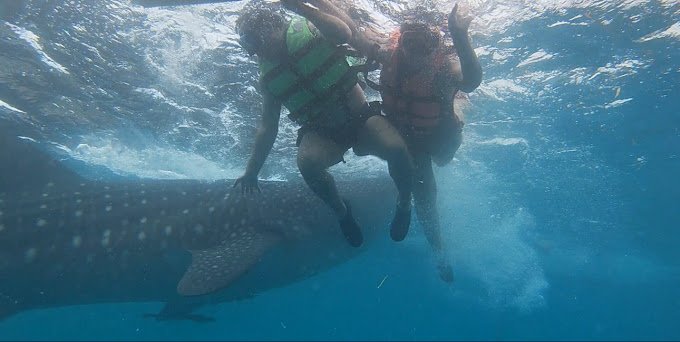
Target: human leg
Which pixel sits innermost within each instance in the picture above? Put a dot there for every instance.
(425, 198)
(448, 143)
(378, 137)
(315, 155)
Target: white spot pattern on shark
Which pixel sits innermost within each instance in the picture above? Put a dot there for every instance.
(30, 254)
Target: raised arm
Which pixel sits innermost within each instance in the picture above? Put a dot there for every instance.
(360, 39)
(321, 12)
(264, 140)
(468, 75)
(329, 25)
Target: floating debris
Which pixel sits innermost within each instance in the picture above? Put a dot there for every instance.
(382, 281)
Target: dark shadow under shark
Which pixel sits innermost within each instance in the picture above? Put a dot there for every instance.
(68, 240)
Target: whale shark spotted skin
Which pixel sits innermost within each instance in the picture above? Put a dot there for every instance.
(68, 240)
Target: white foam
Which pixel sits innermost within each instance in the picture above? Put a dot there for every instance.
(148, 162)
(562, 23)
(93, 50)
(618, 70)
(27, 138)
(617, 103)
(578, 75)
(34, 41)
(498, 89)
(5, 105)
(486, 239)
(536, 57)
(181, 37)
(505, 142)
(672, 32)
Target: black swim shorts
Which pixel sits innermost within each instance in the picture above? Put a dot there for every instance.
(441, 144)
(347, 134)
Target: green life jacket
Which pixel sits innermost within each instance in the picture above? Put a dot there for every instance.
(315, 74)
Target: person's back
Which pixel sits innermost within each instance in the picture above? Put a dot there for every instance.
(311, 77)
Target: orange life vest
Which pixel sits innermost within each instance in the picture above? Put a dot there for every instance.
(414, 100)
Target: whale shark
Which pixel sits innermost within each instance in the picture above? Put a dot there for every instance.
(66, 239)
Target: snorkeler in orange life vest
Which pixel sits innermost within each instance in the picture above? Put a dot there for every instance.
(304, 68)
(419, 80)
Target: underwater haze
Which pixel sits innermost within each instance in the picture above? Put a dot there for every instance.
(561, 206)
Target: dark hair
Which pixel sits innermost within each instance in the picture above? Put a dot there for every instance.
(424, 18)
(259, 16)
(414, 26)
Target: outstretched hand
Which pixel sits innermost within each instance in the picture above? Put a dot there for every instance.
(459, 23)
(248, 184)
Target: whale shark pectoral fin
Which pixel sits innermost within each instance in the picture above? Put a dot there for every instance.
(215, 268)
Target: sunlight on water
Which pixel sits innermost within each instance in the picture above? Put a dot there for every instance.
(149, 162)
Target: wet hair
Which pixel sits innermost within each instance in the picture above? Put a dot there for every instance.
(414, 26)
(424, 18)
(258, 17)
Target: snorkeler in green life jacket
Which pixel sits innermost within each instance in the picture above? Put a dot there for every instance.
(304, 68)
(419, 80)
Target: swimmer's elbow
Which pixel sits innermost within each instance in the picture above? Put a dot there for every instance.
(343, 35)
(470, 87)
(471, 82)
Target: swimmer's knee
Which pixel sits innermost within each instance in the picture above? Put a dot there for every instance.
(448, 151)
(395, 150)
(442, 160)
(308, 165)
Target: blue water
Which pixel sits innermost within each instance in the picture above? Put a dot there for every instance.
(561, 207)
